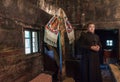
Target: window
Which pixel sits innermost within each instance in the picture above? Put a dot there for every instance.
(109, 42)
(27, 42)
(31, 41)
(34, 42)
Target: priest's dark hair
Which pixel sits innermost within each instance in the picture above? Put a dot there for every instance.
(87, 25)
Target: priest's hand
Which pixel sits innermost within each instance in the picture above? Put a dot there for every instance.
(95, 48)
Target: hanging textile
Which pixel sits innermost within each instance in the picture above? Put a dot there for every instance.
(69, 30)
(51, 31)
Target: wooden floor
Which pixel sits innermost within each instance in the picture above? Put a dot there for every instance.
(69, 80)
(106, 75)
(42, 78)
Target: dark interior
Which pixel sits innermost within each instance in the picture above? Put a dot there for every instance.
(112, 49)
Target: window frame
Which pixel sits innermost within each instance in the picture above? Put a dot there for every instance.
(109, 43)
(31, 40)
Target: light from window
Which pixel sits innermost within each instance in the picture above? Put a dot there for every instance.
(109, 42)
(34, 42)
(31, 41)
(27, 42)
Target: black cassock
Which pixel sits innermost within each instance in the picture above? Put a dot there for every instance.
(90, 63)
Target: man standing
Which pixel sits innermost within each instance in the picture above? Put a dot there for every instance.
(90, 46)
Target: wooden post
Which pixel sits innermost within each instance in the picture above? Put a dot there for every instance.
(62, 46)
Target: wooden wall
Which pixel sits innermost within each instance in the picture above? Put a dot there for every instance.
(15, 15)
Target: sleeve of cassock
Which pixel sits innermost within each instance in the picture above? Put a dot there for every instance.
(82, 42)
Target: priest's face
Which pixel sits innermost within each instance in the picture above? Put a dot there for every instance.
(91, 28)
